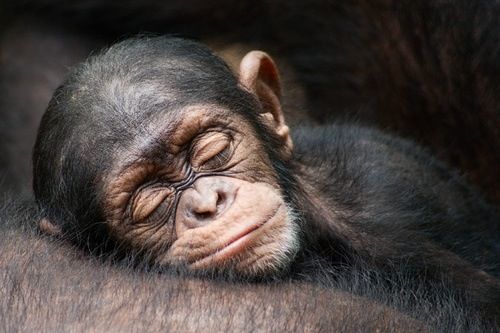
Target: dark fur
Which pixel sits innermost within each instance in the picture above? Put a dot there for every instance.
(396, 191)
(386, 205)
(396, 209)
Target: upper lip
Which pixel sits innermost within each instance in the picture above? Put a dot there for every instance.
(240, 235)
(248, 230)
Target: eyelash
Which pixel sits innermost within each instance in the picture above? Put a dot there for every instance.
(165, 201)
(160, 212)
(218, 160)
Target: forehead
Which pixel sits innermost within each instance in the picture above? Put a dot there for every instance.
(193, 119)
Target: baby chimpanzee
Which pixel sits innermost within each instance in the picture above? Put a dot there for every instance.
(156, 147)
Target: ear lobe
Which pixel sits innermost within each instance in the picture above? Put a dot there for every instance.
(49, 228)
(259, 74)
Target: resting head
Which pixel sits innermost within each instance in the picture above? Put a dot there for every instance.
(156, 147)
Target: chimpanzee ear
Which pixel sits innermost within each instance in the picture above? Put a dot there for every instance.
(259, 74)
(49, 228)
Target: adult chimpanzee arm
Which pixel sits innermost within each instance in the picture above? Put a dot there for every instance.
(48, 286)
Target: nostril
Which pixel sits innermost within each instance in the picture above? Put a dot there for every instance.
(211, 210)
(203, 215)
(221, 201)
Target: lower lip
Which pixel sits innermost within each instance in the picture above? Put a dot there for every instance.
(233, 248)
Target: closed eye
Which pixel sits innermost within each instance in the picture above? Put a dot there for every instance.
(149, 201)
(218, 160)
(212, 151)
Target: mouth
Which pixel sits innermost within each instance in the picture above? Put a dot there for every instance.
(235, 245)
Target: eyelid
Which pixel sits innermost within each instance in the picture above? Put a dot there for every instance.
(148, 201)
(209, 146)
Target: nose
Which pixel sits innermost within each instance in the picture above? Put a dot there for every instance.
(206, 204)
(205, 201)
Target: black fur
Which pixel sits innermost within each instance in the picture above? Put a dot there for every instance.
(394, 190)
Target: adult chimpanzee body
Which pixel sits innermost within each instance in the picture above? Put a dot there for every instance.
(155, 147)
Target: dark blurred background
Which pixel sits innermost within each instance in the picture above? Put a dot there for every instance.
(425, 70)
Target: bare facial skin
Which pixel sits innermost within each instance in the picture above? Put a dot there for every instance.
(214, 204)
